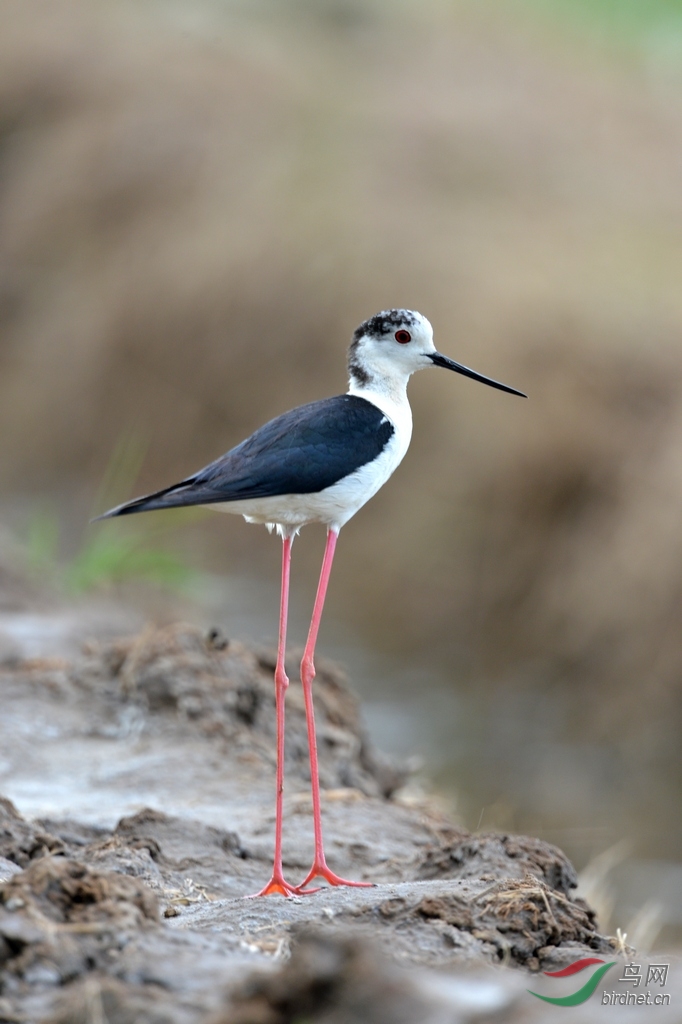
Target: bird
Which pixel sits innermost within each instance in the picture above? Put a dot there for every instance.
(318, 463)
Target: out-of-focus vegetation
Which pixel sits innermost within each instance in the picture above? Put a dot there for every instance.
(106, 557)
(120, 551)
(198, 203)
(634, 21)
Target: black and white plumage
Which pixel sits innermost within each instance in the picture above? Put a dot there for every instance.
(305, 451)
(322, 461)
(318, 463)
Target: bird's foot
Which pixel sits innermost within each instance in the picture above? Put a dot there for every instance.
(278, 887)
(320, 870)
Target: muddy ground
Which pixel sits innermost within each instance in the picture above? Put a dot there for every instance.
(141, 773)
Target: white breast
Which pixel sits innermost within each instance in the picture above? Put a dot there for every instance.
(335, 505)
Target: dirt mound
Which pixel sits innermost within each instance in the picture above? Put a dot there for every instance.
(225, 690)
(330, 979)
(60, 919)
(96, 918)
(149, 829)
(155, 760)
(21, 841)
(463, 855)
(69, 892)
(524, 920)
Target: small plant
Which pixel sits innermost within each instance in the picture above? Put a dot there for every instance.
(117, 550)
(122, 554)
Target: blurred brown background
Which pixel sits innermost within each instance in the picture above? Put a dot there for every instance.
(200, 199)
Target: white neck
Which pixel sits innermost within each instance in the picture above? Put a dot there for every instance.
(389, 395)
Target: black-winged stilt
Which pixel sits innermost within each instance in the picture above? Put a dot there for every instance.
(319, 463)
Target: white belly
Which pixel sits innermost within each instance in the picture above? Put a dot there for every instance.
(335, 505)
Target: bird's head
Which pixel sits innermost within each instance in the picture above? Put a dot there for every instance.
(392, 345)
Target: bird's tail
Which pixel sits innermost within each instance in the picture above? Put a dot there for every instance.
(177, 496)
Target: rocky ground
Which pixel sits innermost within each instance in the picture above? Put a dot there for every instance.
(144, 772)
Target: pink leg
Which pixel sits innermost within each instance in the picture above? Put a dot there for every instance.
(277, 883)
(319, 868)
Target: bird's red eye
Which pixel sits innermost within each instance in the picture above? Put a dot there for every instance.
(403, 337)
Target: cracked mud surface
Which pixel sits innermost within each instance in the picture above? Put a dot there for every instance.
(144, 771)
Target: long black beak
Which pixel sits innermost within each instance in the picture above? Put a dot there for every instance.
(450, 364)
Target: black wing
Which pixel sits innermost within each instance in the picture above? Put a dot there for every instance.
(301, 452)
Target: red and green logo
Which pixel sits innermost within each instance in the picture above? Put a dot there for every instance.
(587, 989)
